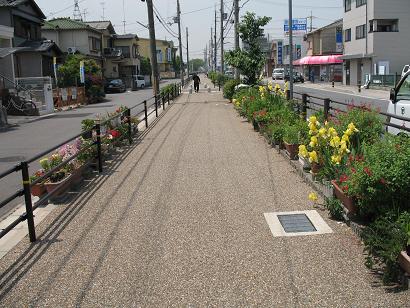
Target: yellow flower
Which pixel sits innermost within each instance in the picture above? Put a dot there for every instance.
(322, 133)
(332, 132)
(352, 128)
(313, 141)
(343, 147)
(303, 151)
(277, 88)
(345, 138)
(261, 89)
(270, 87)
(336, 159)
(313, 197)
(313, 119)
(335, 142)
(313, 157)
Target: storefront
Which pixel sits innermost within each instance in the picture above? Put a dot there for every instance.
(321, 68)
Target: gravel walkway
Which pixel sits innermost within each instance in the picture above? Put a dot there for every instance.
(180, 223)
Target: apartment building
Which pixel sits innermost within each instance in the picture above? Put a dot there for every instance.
(376, 38)
(165, 55)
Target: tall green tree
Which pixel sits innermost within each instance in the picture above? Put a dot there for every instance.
(251, 59)
(196, 64)
(176, 64)
(145, 66)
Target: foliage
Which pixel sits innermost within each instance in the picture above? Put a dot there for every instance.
(176, 64)
(384, 239)
(379, 178)
(335, 208)
(229, 88)
(196, 64)
(168, 89)
(291, 134)
(87, 124)
(145, 66)
(367, 121)
(250, 60)
(69, 72)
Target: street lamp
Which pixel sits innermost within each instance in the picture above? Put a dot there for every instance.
(290, 50)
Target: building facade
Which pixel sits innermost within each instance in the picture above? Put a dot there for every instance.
(376, 40)
(165, 55)
(129, 64)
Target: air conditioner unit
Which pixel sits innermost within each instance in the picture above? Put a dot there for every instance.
(72, 50)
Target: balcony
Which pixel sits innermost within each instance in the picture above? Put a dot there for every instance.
(112, 53)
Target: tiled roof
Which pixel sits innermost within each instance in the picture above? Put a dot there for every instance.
(126, 36)
(99, 25)
(14, 3)
(66, 24)
(40, 46)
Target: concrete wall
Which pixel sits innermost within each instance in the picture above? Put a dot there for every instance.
(352, 19)
(5, 17)
(29, 64)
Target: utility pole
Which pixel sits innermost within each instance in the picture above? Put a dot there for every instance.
(153, 47)
(290, 49)
(236, 3)
(187, 50)
(180, 42)
(222, 36)
(215, 46)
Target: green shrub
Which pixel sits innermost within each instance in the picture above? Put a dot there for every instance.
(335, 208)
(291, 134)
(229, 88)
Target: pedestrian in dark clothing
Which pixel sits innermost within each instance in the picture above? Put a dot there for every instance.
(197, 80)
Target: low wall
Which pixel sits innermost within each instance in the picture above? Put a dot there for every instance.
(69, 96)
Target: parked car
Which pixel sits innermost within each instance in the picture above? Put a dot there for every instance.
(116, 85)
(278, 73)
(297, 77)
(139, 81)
(400, 104)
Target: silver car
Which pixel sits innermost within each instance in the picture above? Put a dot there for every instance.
(278, 73)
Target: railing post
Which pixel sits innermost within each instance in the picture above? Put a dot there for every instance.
(288, 95)
(168, 98)
(146, 114)
(99, 154)
(304, 106)
(28, 201)
(359, 86)
(156, 106)
(128, 117)
(163, 101)
(326, 108)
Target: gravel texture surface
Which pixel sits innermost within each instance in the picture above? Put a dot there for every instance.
(179, 223)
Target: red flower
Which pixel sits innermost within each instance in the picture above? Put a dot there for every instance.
(345, 188)
(367, 171)
(383, 181)
(115, 133)
(343, 178)
(353, 170)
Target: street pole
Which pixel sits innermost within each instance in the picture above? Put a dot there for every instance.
(180, 43)
(216, 46)
(153, 47)
(237, 76)
(222, 36)
(290, 50)
(187, 50)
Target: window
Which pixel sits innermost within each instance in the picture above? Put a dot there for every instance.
(404, 90)
(159, 56)
(95, 44)
(348, 35)
(348, 5)
(360, 32)
(360, 2)
(384, 25)
(125, 51)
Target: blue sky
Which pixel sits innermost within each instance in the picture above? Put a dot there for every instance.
(198, 15)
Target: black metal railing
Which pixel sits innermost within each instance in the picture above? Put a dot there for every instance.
(330, 107)
(125, 116)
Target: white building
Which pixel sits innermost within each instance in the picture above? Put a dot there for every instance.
(376, 38)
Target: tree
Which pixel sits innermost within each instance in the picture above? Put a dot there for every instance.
(145, 66)
(251, 59)
(196, 64)
(176, 64)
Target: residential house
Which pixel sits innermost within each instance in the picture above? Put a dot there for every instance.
(324, 52)
(112, 57)
(74, 36)
(165, 55)
(23, 52)
(376, 38)
(129, 66)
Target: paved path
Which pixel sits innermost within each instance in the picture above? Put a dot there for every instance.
(180, 223)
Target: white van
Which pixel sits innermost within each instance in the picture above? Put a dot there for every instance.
(278, 73)
(400, 105)
(140, 81)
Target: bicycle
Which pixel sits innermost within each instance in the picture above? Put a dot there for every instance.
(19, 104)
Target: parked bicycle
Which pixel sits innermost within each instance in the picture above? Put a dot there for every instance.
(17, 104)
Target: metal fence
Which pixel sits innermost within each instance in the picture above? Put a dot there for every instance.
(150, 106)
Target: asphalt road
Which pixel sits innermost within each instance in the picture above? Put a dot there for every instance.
(26, 140)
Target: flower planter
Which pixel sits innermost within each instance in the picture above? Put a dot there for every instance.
(348, 202)
(59, 188)
(77, 174)
(38, 190)
(404, 261)
(315, 168)
(293, 150)
(255, 125)
(262, 127)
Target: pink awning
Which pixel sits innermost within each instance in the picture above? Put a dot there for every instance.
(319, 60)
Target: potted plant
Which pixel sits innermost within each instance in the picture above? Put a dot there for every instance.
(341, 190)
(38, 189)
(86, 126)
(404, 257)
(59, 181)
(291, 140)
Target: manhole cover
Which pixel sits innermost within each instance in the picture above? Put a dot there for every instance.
(11, 159)
(296, 223)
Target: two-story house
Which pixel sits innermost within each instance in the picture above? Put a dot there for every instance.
(74, 36)
(112, 57)
(129, 66)
(23, 52)
(324, 51)
(376, 38)
(165, 55)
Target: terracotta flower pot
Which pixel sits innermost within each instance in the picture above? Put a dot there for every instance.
(38, 190)
(77, 174)
(59, 188)
(347, 201)
(404, 261)
(315, 168)
(293, 150)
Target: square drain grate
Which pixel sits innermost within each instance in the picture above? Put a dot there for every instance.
(292, 223)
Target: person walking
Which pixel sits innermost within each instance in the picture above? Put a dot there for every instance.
(197, 80)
